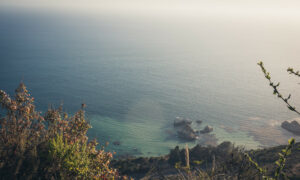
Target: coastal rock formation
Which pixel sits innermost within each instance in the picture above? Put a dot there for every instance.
(184, 129)
(179, 121)
(293, 127)
(207, 129)
(198, 121)
(187, 133)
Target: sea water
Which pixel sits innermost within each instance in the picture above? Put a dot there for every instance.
(136, 74)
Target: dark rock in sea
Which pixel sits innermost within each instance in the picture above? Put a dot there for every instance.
(117, 143)
(187, 133)
(179, 121)
(293, 127)
(207, 129)
(198, 121)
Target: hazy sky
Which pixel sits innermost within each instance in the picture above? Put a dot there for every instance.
(253, 8)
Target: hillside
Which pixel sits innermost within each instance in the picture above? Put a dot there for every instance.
(230, 162)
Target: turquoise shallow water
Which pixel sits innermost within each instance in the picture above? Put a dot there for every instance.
(136, 74)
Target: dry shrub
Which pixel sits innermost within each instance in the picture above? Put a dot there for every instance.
(53, 145)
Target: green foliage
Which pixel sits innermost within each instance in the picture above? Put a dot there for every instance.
(261, 171)
(47, 146)
(282, 158)
(280, 163)
(197, 162)
(291, 71)
(287, 151)
(71, 158)
(275, 87)
(178, 165)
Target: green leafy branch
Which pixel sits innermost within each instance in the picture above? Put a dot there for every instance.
(280, 162)
(291, 71)
(282, 158)
(260, 170)
(275, 88)
(72, 158)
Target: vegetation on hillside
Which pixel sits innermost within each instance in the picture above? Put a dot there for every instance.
(49, 146)
(225, 161)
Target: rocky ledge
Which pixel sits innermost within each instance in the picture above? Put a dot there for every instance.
(187, 133)
(179, 121)
(207, 129)
(293, 127)
(185, 130)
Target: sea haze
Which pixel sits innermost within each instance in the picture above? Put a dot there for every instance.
(136, 74)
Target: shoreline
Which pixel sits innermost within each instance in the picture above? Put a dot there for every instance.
(154, 167)
(146, 139)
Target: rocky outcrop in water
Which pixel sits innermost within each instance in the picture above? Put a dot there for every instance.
(179, 121)
(187, 133)
(293, 127)
(198, 121)
(184, 129)
(207, 129)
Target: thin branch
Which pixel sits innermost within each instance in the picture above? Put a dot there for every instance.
(291, 71)
(275, 88)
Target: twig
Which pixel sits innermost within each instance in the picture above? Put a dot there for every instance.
(291, 71)
(275, 88)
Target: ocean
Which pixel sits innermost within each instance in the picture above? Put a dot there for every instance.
(137, 73)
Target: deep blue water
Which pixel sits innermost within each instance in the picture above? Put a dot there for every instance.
(136, 74)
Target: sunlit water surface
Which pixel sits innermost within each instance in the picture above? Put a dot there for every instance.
(136, 74)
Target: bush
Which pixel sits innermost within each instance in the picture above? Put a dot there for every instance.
(47, 146)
